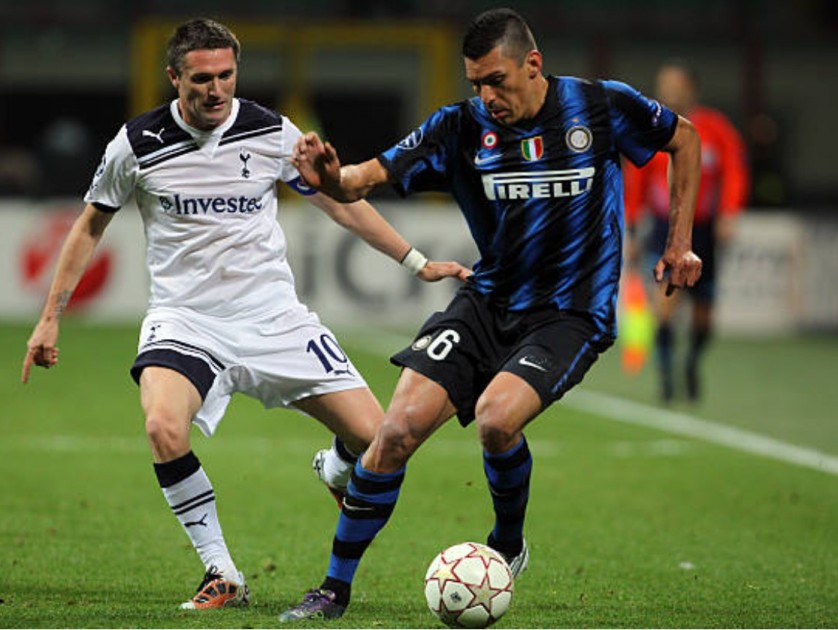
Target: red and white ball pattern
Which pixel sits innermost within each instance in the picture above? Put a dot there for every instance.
(468, 585)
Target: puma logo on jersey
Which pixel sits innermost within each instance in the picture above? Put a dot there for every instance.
(157, 136)
(538, 184)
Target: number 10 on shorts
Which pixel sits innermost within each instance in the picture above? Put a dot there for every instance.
(329, 353)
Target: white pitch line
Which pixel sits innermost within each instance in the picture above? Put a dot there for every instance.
(630, 412)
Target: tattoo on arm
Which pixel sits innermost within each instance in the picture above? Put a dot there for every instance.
(61, 303)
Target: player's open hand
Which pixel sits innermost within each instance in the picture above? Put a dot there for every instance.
(317, 162)
(681, 268)
(434, 271)
(40, 349)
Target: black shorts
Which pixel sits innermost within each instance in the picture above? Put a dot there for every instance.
(704, 246)
(464, 347)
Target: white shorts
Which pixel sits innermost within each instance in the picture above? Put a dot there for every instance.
(275, 359)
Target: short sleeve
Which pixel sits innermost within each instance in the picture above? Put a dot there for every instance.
(115, 177)
(288, 138)
(288, 173)
(642, 126)
(420, 162)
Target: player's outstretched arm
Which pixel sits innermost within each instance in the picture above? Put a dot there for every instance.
(678, 261)
(363, 220)
(320, 168)
(41, 349)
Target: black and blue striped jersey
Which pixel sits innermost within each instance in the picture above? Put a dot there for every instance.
(543, 198)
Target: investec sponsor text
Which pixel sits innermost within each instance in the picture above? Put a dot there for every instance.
(205, 205)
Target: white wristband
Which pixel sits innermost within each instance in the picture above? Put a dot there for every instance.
(414, 261)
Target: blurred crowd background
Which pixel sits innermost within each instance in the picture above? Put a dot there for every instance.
(366, 71)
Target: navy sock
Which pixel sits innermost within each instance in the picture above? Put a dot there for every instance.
(508, 475)
(370, 500)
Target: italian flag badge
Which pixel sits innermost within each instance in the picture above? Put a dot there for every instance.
(532, 148)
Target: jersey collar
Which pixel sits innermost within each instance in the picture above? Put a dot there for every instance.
(200, 136)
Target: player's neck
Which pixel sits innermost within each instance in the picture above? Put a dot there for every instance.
(539, 97)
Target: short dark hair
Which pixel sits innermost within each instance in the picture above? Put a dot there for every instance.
(199, 34)
(498, 27)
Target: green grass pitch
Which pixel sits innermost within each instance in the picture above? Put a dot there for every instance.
(629, 526)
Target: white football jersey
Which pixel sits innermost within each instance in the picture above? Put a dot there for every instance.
(209, 206)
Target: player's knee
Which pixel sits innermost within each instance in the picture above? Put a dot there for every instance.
(495, 428)
(497, 438)
(164, 432)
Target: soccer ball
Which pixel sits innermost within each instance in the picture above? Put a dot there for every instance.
(468, 586)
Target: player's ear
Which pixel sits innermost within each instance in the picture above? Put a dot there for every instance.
(173, 78)
(533, 63)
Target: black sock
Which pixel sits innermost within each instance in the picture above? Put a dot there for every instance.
(341, 589)
(508, 550)
(698, 341)
(344, 453)
(663, 345)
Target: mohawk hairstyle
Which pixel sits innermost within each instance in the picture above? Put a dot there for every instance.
(498, 27)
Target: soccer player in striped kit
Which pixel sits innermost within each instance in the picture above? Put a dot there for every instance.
(722, 195)
(223, 315)
(533, 161)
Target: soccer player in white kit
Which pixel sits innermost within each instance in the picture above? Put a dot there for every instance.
(223, 314)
